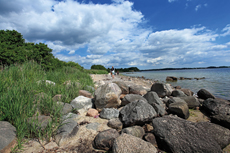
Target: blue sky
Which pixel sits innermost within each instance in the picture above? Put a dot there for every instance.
(147, 34)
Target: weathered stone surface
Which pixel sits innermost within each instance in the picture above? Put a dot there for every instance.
(105, 139)
(131, 98)
(174, 100)
(51, 145)
(126, 143)
(40, 121)
(149, 137)
(109, 113)
(82, 104)
(219, 133)
(174, 134)
(136, 131)
(180, 109)
(221, 119)
(92, 112)
(66, 108)
(123, 86)
(162, 89)
(155, 102)
(107, 96)
(191, 101)
(85, 93)
(115, 123)
(93, 126)
(178, 93)
(204, 94)
(7, 137)
(188, 92)
(171, 78)
(68, 129)
(137, 113)
(137, 89)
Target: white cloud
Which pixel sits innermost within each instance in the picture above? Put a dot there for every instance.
(170, 1)
(226, 30)
(198, 7)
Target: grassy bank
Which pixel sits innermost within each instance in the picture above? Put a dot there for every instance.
(23, 94)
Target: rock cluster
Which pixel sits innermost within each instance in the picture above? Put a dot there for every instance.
(145, 119)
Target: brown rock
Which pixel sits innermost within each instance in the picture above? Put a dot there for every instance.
(57, 97)
(188, 92)
(85, 93)
(122, 96)
(92, 112)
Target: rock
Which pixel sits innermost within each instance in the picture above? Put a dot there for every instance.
(174, 134)
(123, 86)
(131, 98)
(107, 96)
(149, 137)
(109, 113)
(92, 112)
(204, 94)
(7, 137)
(66, 108)
(171, 78)
(136, 131)
(51, 145)
(115, 123)
(191, 101)
(221, 119)
(177, 87)
(85, 93)
(82, 104)
(57, 97)
(219, 133)
(188, 92)
(174, 100)
(155, 102)
(122, 96)
(126, 143)
(180, 109)
(93, 126)
(162, 89)
(147, 128)
(137, 89)
(178, 93)
(105, 139)
(40, 122)
(137, 113)
(68, 129)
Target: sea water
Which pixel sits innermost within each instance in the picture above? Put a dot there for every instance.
(217, 81)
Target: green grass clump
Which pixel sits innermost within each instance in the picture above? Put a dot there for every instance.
(22, 96)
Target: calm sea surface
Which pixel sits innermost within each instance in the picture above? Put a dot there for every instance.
(217, 81)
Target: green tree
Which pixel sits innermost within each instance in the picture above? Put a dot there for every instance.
(98, 67)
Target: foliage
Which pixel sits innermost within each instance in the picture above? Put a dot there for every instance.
(98, 67)
(95, 71)
(131, 69)
(22, 96)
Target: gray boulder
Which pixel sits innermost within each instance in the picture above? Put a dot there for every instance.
(191, 101)
(174, 134)
(66, 108)
(180, 109)
(131, 98)
(149, 137)
(115, 123)
(82, 104)
(137, 113)
(136, 131)
(204, 94)
(107, 96)
(137, 89)
(68, 129)
(188, 92)
(178, 93)
(155, 102)
(174, 100)
(162, 89)
(93, 126)
(126, 143)
(123, 86)
(105, 139)
(109, 113)
(7, 136)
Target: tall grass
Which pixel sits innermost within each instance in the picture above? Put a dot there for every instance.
(22, 97)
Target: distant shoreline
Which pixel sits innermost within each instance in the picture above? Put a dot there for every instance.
(210, 67)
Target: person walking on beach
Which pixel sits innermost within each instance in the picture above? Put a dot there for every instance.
(112, 72)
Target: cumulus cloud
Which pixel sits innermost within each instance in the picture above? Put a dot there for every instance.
(198, 7)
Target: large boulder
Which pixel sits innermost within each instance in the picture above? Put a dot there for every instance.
(162, 89)
(82, 104)
(188, 92)
(131, 98)
(191, 101)
(174, 100)
(123, 86)
(204, 94)
(7, 137)
(107, 96)
(178, 93)
(180, 109)
(115, 123)
(155, 102)
(109, 113)
(137, 89)
(68, 129)
(66, 108)
(104, 140)
(137, 113)
(174, 134)
(136, 131)
(171, 78)
(126, 143)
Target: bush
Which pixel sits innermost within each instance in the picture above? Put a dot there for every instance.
(98, 67)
